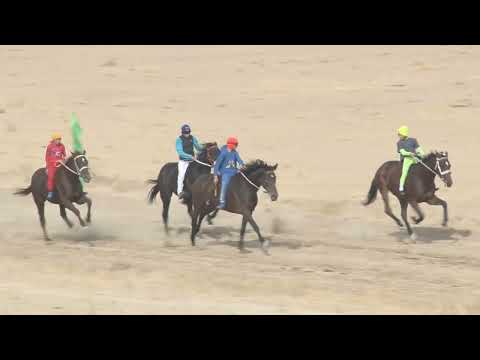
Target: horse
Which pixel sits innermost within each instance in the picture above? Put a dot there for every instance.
(241, 197)
(419, 186)
(68, 189)
(166, 182)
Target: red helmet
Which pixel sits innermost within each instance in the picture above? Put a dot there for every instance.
(232, 141)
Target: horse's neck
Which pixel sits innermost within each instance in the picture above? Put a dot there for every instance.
(255, 177)
(430, 162)
(69, 175)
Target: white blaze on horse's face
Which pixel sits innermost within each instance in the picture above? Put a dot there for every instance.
(81, 163)
(443, 167)
(270, 185)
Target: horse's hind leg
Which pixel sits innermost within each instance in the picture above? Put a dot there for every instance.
(437, 201)
(166, 198)
(41, 213)
(63, 214)
(388, 209)
(419, 212)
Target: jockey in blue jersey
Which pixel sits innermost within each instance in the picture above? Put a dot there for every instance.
(227, 165)
(185, 145)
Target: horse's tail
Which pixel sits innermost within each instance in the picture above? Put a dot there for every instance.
(23, 192)
(152, 193)
(372, 193)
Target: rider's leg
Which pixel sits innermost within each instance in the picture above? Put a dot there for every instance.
(51, 170)
(226, 177)
(182, 169)
(407, 162)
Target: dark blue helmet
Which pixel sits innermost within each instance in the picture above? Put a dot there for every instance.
(186, 129)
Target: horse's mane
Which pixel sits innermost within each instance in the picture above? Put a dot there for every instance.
(203, 154)
(255, 165)
(435, 153)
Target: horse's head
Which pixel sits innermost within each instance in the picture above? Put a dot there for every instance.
(270, 182)
(210, 153)
(443, 167)
(80, 164)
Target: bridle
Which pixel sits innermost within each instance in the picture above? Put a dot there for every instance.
(78, 170)
(440, 172)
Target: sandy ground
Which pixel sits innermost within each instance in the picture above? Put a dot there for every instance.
(326, 114)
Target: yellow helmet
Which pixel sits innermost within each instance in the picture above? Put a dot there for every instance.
(403, 130)
(56, 136)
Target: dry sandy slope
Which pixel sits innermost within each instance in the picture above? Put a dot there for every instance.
(327, 115)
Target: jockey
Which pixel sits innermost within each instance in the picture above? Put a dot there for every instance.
(226, 166)
(55, 152)
(185, 145)
(409, 150)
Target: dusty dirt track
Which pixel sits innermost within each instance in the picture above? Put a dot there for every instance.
(326, 114)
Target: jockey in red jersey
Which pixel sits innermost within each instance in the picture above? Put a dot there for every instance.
(55, 152)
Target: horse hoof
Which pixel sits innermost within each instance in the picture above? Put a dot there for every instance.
(444, 224)
(265, 246)
(413, 238)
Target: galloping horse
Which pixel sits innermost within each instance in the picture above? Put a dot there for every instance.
(166, 182)
(419, 187)
(241, 197)
(68, 189)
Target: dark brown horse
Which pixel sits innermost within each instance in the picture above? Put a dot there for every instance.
(166, 182)
(419, 186)
(68, 189)
(241, 197)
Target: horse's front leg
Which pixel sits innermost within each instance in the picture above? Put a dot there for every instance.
(211, 216)
(63, 214)
(263, 243)
(69, 205)
(419, 212)
(437, 201)
(85, 199)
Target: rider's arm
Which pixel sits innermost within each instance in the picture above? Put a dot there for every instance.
(420, 152)
(239, 160)
(218, 163)
(180, 151)
(404, 152)
(418, 149)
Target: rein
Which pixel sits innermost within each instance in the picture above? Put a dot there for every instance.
(78, 172)
(202, 163)
(251, 183)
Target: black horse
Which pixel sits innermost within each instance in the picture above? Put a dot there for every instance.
(419, 186)
(68, 189)
(166, 182)
(241, 197)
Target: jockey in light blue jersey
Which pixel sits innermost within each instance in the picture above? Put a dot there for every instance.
(185, 145)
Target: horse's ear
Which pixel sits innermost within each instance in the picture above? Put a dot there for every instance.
(275, 167)
(84, 152)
